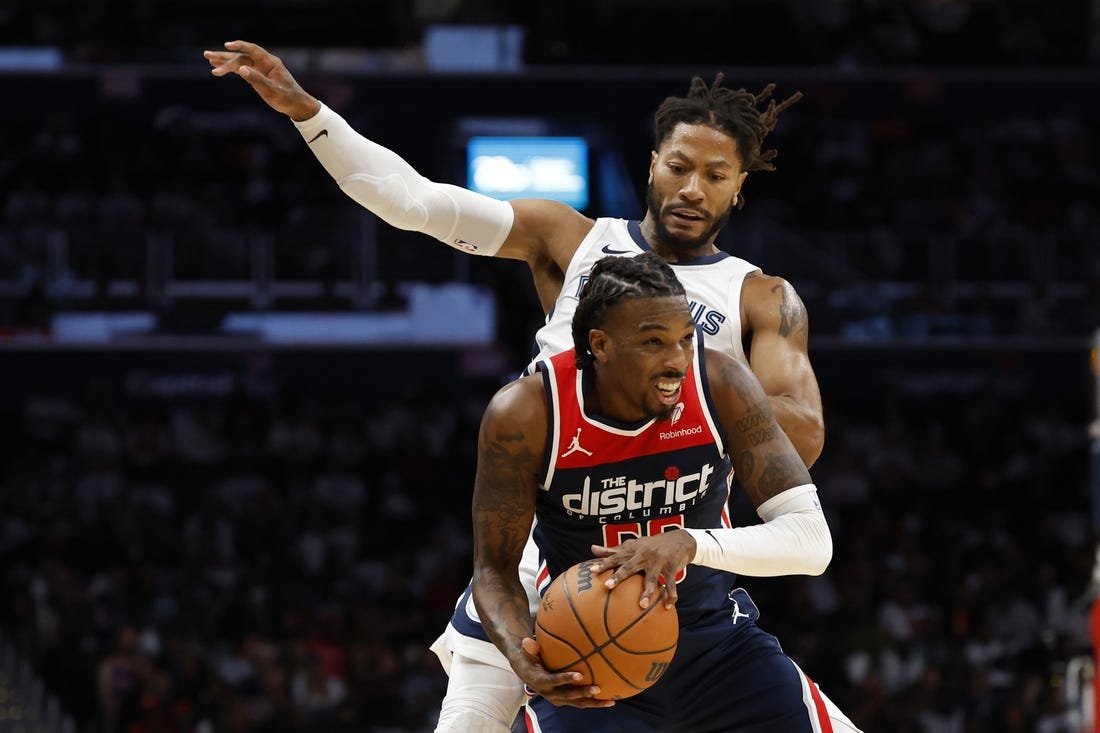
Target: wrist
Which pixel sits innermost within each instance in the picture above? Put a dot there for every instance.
(516, 654)
(306, 110)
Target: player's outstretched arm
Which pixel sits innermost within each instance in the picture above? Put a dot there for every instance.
(779, 356)
(511, 444)
(544, 233)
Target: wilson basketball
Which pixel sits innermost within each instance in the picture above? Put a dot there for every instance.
(605, 635)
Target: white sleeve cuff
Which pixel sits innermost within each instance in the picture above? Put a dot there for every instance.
(793, 540)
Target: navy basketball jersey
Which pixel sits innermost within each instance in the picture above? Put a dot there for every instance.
(605, 483)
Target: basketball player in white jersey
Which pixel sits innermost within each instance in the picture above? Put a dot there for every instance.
(705, 146)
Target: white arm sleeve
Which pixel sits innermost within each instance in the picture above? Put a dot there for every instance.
(794, 539)
(380, 180)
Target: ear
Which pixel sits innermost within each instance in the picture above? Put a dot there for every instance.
(740, 182)
(599, 343)
(652, 164)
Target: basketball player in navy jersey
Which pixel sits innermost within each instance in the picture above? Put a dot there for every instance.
(705, 145)
(660, 421)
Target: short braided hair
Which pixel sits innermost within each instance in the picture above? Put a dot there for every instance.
(612, 280)
(735, 112)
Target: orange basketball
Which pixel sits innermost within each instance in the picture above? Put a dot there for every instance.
(605, 635)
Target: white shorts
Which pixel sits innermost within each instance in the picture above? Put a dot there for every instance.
(464, 633)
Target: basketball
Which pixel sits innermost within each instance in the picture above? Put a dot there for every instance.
(604, 634)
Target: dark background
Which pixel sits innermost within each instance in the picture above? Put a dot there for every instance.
(201, 532)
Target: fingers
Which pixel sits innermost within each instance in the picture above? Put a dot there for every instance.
(671, 593)
(562, 688)
(251, 53)
(242, 66)
(251, 49)
(579, 696)
(651, 588)
(238, 55)
(223, 63)
(608, 558)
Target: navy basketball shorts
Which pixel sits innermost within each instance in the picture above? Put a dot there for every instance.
(728, 675)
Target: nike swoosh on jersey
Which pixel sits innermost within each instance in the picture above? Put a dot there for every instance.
(322, 133)
(606, 249)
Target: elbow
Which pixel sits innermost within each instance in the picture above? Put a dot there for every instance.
(813, 440)
(822, 555)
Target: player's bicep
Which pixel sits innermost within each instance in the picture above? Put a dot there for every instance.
(783, 367)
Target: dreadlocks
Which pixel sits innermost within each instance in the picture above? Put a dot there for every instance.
(613, 279)
(735, 112)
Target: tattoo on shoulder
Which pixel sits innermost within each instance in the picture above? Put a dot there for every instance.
(508, 455)
(792, 312)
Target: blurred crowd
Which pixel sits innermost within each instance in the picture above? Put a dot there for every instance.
(281, 562)
(241, 566)
(838, 33)
(904, 209)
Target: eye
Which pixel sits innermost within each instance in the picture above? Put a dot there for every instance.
(676, 168)
(717, 177)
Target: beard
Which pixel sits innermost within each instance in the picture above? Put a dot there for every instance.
(659, 412)
(679, 242)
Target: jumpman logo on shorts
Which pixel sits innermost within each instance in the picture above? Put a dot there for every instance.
(737, 612)
(576, 445)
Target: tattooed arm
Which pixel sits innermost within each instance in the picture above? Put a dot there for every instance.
(511, 447)
(763, 456)
(794, 538)
(775, 322)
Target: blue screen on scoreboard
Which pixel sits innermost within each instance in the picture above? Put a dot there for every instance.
(508, 167)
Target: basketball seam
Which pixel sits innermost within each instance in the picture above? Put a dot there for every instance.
(581, 657)
(612, 638)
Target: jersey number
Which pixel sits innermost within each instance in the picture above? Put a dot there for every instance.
(616, 534)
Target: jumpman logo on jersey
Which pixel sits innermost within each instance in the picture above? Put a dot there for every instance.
(737, 612)
(576, 445)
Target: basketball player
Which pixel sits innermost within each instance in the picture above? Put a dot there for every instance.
(706, 144)
(661, 421)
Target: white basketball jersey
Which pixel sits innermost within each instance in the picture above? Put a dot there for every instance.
(713, 286)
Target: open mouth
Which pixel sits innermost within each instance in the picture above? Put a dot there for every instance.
(669, 390)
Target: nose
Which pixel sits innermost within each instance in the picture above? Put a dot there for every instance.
(692, 191)
(678, 356)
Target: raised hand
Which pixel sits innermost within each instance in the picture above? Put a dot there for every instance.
(265, 72)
